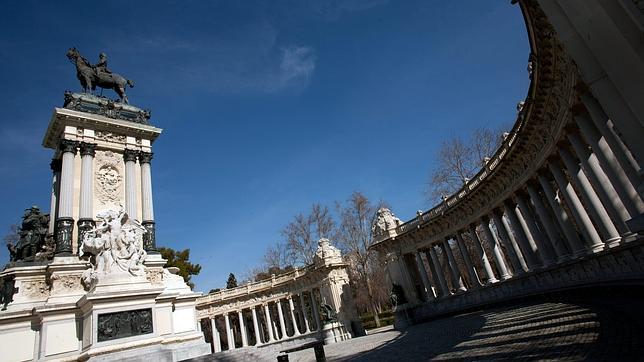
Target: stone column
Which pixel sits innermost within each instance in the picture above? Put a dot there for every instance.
(619, 149)
(291, 308)
(571, 236)
(423, 276)
(149, 238)
(520, 228)
(456, 274)
(280, 313)
(216, 340)
(316, 312)
(595, 207)
(258, 337)
(86, 209)
(269, 323)
(56, 166)
(471, 270)
(602, 184)
(623, 185)
(593, 241)
(307, 328)
(514, 253)
(242, 328)
(439, 272)
(496, 249)
(129, 156)
(533, 233)
(229, 333)
(65, 221)
(483, 256)
(546, 221)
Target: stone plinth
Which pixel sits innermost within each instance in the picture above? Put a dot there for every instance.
(334, 332)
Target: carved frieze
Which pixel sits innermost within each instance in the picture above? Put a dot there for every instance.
(36, 289)
(66, 283)
(109, 137)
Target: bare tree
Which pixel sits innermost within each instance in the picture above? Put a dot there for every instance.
(354, 237)
(459, 160)
(302, 234)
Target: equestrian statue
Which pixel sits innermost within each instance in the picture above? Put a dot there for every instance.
(91, 76)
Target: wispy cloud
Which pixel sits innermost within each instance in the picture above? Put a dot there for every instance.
(249, 59)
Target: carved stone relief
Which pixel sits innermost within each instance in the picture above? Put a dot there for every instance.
(109, 179)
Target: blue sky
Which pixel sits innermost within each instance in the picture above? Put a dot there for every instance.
(267, 107)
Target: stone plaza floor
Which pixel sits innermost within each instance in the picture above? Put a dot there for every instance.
(606, 327)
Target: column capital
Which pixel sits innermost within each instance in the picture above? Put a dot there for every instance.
(56, 165)
(87, 149)
(68, 146)
(145, 157)
(130, 155)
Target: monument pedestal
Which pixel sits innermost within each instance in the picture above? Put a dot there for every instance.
(334, 332)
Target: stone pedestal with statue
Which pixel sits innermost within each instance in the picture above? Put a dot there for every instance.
(86, 282)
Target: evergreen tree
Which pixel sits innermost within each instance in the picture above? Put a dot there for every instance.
(231, 282)
(180, 259)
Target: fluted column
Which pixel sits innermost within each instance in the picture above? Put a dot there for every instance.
(520, 228)
(546, 221)
(602, 184)
(316, 312)
(471, 270)
(595, 207)
(514, 253)
(86, 210)
(258, 337)
(149, 238)
(571, 237)
(496, 249)
(216, 339)
(291, 308)
(439, 272)
(592, 239)
(423, 276)
(623, 185)
(129, 156)
(269, 323)
(456, 274)
(229, 333)
(242, 328)
(280, 313)
(65, 221)
(482, 256)
(307, 328)
(56, 165)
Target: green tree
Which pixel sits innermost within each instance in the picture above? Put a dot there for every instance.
(231, 282)
(181, 260)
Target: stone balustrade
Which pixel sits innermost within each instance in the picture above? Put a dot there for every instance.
(558, 200)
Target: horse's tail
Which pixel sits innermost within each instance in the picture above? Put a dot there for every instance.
(130, 83)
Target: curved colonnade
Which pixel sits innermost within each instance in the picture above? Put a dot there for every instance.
(285, 309)
(557, 206)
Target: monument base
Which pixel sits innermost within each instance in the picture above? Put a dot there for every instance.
(334, 332)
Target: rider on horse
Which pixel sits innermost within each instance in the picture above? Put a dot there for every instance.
(101, 66)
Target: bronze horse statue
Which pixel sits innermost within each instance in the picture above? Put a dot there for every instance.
(90, 77)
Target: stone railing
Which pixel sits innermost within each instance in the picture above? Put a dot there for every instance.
(560, 190)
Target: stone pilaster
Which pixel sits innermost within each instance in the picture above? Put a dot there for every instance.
(258, 338)
(242, 328)
(64, 221)
(456, 274)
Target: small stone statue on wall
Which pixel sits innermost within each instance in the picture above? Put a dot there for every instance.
(384, 220)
